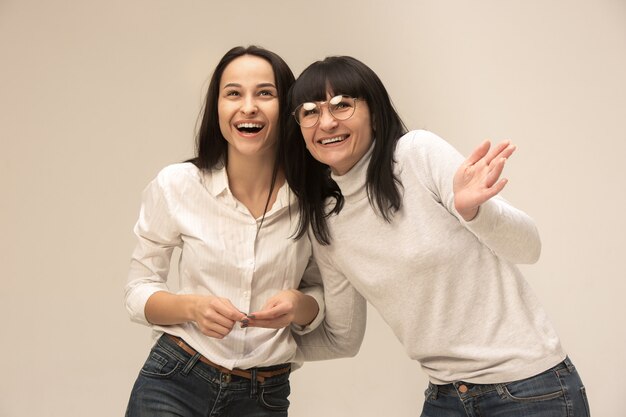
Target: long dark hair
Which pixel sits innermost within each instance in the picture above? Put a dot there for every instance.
(310, 179)
(211, 147)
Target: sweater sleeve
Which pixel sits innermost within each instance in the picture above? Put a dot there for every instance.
(508, 232)
(341, 332)
(311, 285)
(157, 237)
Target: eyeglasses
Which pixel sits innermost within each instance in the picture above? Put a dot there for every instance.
(340, 107)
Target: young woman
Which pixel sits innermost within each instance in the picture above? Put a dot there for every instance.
(229, 212)
(422, 234)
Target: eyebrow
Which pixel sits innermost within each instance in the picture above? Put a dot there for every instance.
(262, 85)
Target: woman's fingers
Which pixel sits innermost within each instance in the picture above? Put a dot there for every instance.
(212, 329)
(502, 150)
(215, 325)
(227, 309)
(494, 173)
(495, 151)
(478, 153)
(217, 316)
(488, 153)
(270, 313)
(495, 189)
(277, 323)
(276, 314)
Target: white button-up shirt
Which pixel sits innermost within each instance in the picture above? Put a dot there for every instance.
(221, 255)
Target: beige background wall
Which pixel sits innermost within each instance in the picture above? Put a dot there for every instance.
(96, 97)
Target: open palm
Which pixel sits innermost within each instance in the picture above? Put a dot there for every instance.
(478, 178)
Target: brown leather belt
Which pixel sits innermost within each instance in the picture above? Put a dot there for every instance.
(260, 375)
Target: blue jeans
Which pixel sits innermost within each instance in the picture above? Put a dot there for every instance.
(174, 383)
(557, 392)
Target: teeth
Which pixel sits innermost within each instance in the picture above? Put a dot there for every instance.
(249, 126)
(332, 140)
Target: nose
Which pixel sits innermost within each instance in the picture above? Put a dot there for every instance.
(249, 106)
(327, 121)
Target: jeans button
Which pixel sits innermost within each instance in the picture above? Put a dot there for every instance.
(462, 389)
(226, 378)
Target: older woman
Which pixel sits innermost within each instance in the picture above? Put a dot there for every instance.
(422, 234)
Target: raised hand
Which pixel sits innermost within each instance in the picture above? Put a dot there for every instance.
(478, 178)
(215, 316)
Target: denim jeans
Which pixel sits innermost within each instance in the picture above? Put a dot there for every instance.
(174, 383)
(557, 392)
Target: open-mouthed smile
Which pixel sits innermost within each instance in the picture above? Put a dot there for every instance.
(249, 127)
(334, 139)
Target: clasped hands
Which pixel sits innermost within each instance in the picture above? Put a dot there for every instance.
(478, 178)
(217, 316)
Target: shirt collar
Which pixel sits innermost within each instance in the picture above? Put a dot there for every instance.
(216, 183)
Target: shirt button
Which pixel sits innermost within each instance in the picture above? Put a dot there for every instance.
(462, 389)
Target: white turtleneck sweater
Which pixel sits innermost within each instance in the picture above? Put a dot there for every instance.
(448, 288)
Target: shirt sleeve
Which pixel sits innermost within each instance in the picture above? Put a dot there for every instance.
(508, 232)
(341, 332)
(157, 236)
(311, 285)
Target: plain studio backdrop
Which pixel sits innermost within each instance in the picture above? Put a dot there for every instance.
(96, 97)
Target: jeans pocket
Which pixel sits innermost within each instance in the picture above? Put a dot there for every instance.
(543, 387)
(159, 364)
(275, 397)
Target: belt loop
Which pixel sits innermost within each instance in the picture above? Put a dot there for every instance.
(501, 389)
(568, 363)
(434, 391)
(194, 359)
(253, 383)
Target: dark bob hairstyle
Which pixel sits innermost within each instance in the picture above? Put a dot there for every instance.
(309, 179)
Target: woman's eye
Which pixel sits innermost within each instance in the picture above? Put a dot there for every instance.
(344, 105)
(232, 93)
(266, 93)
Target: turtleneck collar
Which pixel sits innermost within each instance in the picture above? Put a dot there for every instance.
(353, 183)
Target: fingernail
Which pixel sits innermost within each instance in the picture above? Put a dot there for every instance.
(244, 325)
(245, 322)
(251, 316)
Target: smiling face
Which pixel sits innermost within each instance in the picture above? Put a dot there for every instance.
(248, 107)
(340, 144)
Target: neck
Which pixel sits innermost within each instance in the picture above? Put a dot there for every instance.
(250, 173)
(250, 180)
